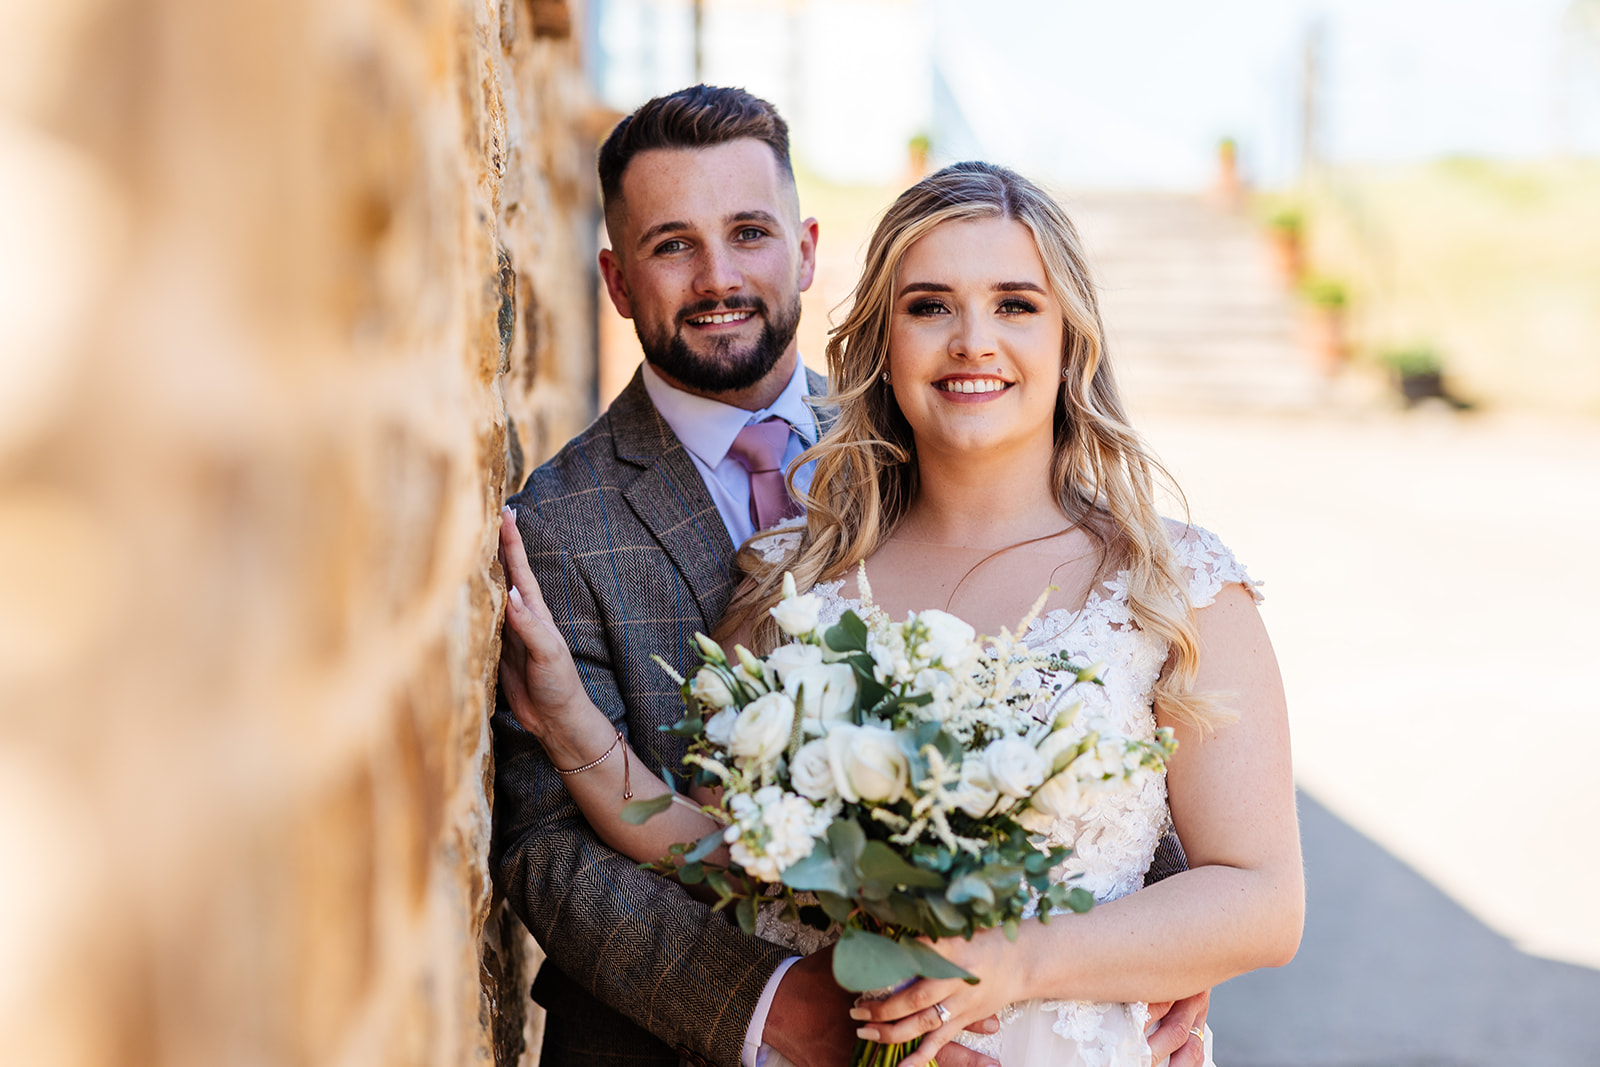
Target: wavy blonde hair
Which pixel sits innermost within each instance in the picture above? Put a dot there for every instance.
(866, 472)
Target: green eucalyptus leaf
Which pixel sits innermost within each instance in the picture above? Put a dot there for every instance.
(691, 874)
(847, 839)
(836, 905)
(704, 847)
(1080, 900)
(745, 912)
(948, 915)
(1012, 928)
(969, 887)
(932, 965)
(637, 812)
(863, 961)
(818, 872)
(880, 863)
(718, 881)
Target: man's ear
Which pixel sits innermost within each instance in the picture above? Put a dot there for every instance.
(808, 253)
(616, 283)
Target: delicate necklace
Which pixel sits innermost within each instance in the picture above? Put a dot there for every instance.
(997, 552)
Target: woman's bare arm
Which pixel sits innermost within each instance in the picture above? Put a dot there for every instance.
(1239, 907)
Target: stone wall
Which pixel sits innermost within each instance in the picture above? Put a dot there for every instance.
(291, 292)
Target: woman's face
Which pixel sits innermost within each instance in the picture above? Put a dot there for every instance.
(975, 341)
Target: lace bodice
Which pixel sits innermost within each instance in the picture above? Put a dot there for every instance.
(1114, 843)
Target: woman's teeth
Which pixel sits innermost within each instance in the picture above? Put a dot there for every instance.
(720, 318)
(972, 385)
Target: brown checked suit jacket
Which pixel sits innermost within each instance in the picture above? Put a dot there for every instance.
(632, 558)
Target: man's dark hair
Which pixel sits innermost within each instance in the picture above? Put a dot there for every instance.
(700, 116)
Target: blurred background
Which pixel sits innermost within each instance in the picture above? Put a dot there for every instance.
(294, 292)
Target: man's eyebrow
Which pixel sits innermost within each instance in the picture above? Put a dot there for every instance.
(660, 228)
(756, 216)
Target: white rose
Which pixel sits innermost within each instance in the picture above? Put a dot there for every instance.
(798, 615)
(976, 795)
(786, 659)
(763, 728)
(1062, 797)
(719, 728)
(949, 641)
(811, 773)
(710, 689)
(1017, 770)
(867, 764)
(825, 692)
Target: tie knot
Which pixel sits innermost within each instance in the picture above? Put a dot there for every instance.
(760, 446)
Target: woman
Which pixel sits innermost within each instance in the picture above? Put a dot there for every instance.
(981, 454)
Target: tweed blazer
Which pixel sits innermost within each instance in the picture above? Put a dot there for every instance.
(632, 558)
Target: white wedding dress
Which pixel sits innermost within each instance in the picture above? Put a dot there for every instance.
(1112, 846)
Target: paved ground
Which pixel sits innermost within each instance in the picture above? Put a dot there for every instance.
(1432, 583)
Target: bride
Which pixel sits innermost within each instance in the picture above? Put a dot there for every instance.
(979, 455)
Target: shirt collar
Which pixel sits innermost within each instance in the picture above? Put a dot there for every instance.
(707, 427)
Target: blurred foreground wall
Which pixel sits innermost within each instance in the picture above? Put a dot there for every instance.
(288, 291)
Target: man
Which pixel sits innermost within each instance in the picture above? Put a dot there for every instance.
(630, 532)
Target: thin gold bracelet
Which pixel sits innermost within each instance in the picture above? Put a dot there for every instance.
(627, 783)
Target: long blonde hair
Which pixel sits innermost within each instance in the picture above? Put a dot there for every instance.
(866, 472)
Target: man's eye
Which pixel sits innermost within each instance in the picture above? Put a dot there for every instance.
(667, 248)
(752, 233)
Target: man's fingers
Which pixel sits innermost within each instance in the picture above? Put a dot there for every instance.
(514, 557)
(1175, 1036)
(954, 1055)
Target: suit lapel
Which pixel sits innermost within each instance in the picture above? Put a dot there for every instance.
(671, 500)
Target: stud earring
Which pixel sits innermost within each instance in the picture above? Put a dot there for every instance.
(1064, 373)
(885, 377)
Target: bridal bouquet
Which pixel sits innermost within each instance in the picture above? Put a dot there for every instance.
(898, 775)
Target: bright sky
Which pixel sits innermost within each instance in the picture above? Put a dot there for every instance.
(1131, 93)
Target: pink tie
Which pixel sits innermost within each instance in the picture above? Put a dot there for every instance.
(759, 449)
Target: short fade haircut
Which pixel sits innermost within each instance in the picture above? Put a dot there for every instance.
(700, 116)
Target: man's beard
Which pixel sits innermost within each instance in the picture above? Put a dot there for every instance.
(725, 368)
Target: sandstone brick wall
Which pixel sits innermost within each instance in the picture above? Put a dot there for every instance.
(284, 284)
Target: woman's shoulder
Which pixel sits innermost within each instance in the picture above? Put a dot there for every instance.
(1207, 562)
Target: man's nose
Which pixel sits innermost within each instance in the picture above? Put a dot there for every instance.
(717, 271)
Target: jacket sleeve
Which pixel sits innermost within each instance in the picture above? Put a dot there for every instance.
(636, 941)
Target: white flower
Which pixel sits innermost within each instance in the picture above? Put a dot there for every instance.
(710, 689)
(1062, 797)
(798, 616)
(811, 773)
(1015, 767)
(763, 727)
(772, 830)
(826, 693)
(949, 641)
(785, 659)
(719, 728)
(1055, 745)
(976, 795)
(867, 764)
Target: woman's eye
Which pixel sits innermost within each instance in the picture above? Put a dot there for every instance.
(924, 308)
(1017, 306)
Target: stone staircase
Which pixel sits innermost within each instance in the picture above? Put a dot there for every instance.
(1197, 317)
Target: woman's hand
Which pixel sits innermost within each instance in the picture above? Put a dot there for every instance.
(1002, 973)
(537, 674)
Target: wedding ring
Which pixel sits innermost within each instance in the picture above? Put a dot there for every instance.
(942, 1011)
(1197, 1032)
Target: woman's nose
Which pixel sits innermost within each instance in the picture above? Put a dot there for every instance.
(972, 337)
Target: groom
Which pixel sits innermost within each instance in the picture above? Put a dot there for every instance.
(630, 531)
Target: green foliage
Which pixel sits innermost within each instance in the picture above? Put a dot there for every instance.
(1412, 360)
(1324, 293)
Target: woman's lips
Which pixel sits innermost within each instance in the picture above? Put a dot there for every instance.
(977, 388)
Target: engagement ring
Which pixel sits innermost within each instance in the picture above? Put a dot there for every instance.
(942, 1011)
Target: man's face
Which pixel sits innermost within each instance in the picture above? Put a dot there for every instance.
(710, 262)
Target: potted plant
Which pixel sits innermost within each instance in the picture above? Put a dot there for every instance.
(1325, 301)
(1418, 373)
(1286, 230)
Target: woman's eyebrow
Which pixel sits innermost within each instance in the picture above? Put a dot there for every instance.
(925, 287)
(1019, 287)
